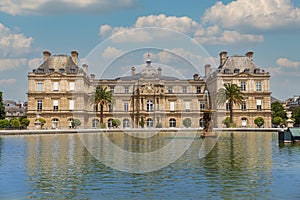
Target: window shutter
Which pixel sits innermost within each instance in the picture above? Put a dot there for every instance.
(55, 102)
(72, 86)
(172, 106)
(71, 104)
(55, 86)
(258, 102)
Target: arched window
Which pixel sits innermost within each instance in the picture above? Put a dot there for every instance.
(201, 123)
(95, 123)
(172, 122)
(149, 105)
(126, 123)
(109, 123)
(149, 122)
(55, 123)
(244, 122)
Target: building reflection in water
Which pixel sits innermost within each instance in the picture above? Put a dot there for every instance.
(137, 153)
(240, 160)
(60, 165)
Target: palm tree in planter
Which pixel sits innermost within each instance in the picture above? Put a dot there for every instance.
(232, 94)
(101, 97)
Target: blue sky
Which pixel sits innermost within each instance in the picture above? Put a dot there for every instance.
(270, 28)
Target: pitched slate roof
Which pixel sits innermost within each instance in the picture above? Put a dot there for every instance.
(58, 63)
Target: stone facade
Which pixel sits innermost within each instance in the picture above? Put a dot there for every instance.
(59, 91)
(254, 83)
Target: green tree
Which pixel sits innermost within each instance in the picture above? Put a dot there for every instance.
(226, 121)
(277, 121)
(259, 121)
(43, 121)
(278, 110)
(296, 116)
(75, 123)
(101, 97)
(4, 123)
(187, 122)
(24, 121)
(142, 122)
(231, 93)
(2, 109)
(15, 123)
(116, 123)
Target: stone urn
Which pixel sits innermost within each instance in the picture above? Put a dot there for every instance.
(289, 122)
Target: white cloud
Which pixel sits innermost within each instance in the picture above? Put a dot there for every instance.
(7, 81)
(205, 35)
(9, 64)
(13, 44)
(112, 53)
(284, 62)
(41, 7)
(227, 37)
(34, 63)
(257, 14)
(182, 24)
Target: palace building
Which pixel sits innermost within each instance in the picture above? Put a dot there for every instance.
(254, 83)
(59, 91)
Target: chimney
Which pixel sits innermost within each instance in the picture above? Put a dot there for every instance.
(85, 68)
(223, 57)
(74, 55)
(159, 71)
(207, 69)
(46, 54)
(249, 54)
(132, 71)
(196, 76)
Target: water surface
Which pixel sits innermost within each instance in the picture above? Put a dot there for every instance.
(240, 166)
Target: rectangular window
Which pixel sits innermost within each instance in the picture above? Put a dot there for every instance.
(55, 86)
(72, 86)
(184, 89)
(126, 90)
(202, 105)
(110, 107)
(244, 106)
(258, 86)
(112, 89)
(39, 104)
(187, 106)
(126, 106)
(71, 104)
(40, 87)
(170, 90)
(198, 90)
(258, 104)
(243, 86)
(55, 104)
(172, 106)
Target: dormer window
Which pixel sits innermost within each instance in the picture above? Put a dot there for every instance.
(72, 70)
(256, 71)
(226, 71)
(61, 70)
(51, 70)
(40, 71)
(236, 71)
(247, 70)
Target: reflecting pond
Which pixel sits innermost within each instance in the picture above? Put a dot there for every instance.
(240, 165)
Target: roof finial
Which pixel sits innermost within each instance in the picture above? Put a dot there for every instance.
(148, 61)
